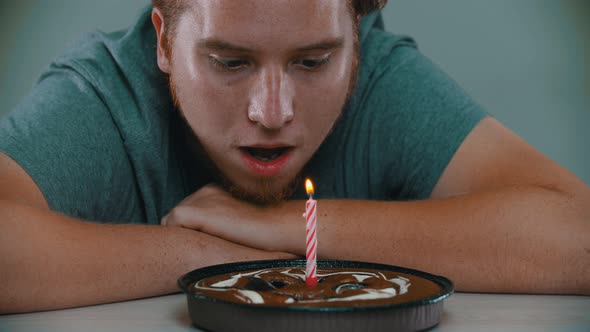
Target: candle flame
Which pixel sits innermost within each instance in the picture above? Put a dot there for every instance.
(309, 186)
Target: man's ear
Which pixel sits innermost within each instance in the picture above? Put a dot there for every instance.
(158, 21)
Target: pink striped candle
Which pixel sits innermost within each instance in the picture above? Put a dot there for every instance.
(311, 239)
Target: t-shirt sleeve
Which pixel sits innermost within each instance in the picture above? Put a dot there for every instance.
(418, 119)
(63, 136)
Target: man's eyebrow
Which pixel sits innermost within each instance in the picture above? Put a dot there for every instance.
(221, 45)
(327, 44)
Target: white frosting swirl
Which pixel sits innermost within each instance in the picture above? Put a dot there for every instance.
(251, 296)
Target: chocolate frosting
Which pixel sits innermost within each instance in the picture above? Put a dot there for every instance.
(337, 287)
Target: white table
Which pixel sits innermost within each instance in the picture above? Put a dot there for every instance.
(462, 312)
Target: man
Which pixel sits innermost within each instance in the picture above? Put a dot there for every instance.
(203, 117)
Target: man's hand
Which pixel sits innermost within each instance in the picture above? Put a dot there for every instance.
(214, 211)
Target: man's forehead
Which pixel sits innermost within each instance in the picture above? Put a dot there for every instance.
(318, 7)
(259, 21)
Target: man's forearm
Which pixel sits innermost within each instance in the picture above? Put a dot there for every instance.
(524, 239)
(515, 239)
(49, 261)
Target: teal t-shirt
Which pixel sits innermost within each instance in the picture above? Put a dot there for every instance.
(101, 138)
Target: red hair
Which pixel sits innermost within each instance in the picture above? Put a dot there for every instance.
(172, 9)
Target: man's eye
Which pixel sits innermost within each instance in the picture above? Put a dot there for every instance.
(228, 65)
(312, 64)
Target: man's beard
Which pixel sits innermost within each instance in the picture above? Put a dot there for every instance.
(262, 192)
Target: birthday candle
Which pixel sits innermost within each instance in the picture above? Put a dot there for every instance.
(311, 239)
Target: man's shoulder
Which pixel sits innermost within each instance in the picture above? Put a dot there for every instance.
(388, 143)
(120, 68)
(380, 51)
(103, 58)
(378, 46)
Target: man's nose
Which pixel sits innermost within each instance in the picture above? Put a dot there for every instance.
(271, 99)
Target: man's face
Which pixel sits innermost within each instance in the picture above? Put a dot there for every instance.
(261, 83)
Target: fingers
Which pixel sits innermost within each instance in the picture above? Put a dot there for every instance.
(179, 216)
(164, 221)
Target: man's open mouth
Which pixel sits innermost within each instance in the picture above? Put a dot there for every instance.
(265, 154)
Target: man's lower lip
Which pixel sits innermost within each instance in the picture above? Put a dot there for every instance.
(269, 168)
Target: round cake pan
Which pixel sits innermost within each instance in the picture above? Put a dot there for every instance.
(213, 314)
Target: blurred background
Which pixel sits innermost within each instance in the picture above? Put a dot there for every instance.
(527, 62)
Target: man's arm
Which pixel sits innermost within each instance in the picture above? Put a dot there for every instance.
(50, 261)
(502, 218)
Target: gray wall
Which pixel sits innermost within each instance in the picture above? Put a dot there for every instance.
(526, 61)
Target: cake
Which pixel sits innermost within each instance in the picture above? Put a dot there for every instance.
(336, 287)
(271, 295)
